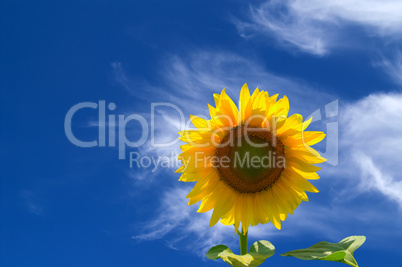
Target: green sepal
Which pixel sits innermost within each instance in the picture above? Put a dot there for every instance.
(338, 252)
(259, 252)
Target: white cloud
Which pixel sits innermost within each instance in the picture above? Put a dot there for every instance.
(371, 141)
(316, 26)
(375, 179)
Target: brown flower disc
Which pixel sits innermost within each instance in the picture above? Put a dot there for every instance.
(251, 159)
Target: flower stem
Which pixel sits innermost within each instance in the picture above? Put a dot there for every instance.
(243, 242)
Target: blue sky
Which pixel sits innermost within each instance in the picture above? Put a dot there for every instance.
(65, 205)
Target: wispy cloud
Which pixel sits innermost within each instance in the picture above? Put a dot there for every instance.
(375, 179)
(316, 26)
(31, 203)
(176, 222)
(192, 79)
(371, 142)
(392, 67)
(120, 76)
(162, 146)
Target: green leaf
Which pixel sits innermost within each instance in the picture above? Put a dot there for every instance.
(259, 252)
(339, 252)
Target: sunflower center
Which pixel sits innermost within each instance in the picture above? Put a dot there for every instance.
(254, 159)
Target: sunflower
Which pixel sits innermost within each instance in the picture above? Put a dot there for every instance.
(251, 164)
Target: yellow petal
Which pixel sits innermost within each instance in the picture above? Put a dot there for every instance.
(245, 107)
(301, 165)
(307, 123)
(228, 107)
(299, 181)
(222, 207)
(200, 123)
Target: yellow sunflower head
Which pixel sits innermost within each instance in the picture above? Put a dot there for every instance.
(251, 164)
